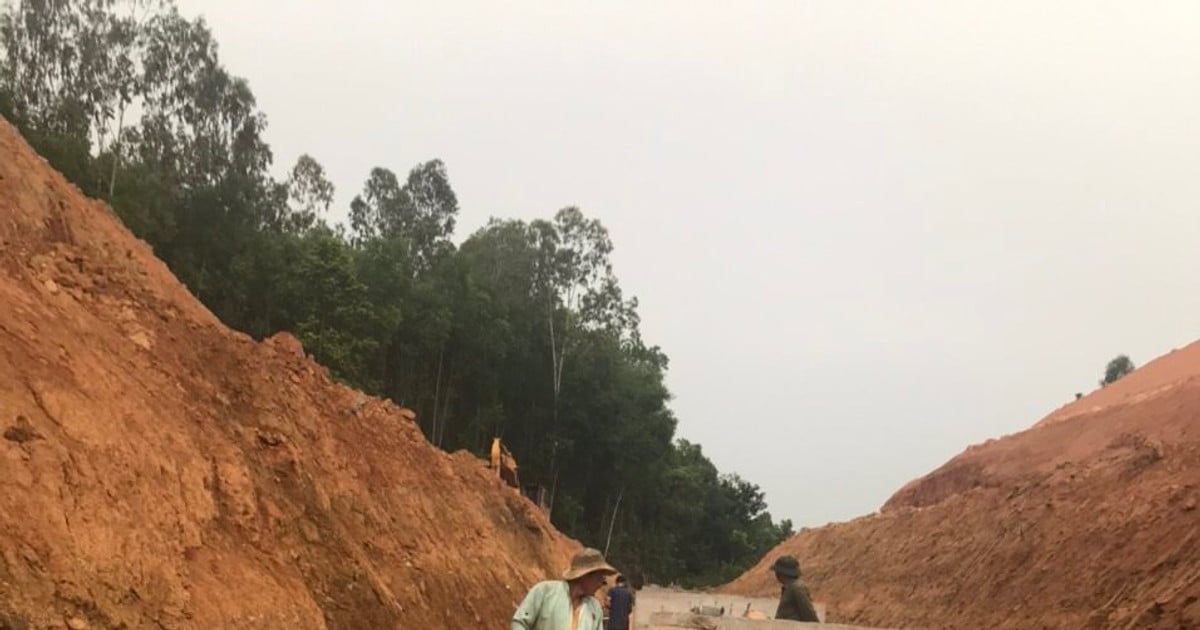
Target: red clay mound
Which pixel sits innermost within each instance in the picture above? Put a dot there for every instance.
(1087, 520)
(158, 470)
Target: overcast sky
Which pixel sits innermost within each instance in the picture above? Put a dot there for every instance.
(867, 234)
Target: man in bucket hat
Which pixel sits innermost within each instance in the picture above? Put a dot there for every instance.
(794, 601)
(569, 603)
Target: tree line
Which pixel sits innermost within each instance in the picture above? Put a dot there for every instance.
(520, 331)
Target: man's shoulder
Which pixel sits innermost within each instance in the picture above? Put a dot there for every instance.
(797, 586)
(546, 586)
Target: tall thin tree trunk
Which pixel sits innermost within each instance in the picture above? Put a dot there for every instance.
(445, 415)
(553, 489)
(437, 386)
(613, 521)
(554, 374)
(112, 178)
(553, 360)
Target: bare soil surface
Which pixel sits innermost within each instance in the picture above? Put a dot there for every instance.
(654, 599)
(1086, 520)
(158, 470)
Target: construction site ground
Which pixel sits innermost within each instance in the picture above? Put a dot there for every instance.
(657, 599)
(688, 621)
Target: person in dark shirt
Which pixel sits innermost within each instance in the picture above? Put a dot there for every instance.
(620, 605)
(794, 601)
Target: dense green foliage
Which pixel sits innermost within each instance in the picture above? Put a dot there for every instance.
(521, 331)
(1116, 370)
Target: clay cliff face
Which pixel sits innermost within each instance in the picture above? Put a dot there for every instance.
(158, 470)
(1087, 520)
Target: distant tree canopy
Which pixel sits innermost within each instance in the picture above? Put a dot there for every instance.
(1116, 369)
(521, 332)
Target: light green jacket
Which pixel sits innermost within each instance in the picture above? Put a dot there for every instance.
(548, 607)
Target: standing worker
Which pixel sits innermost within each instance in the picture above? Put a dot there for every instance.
(794, 601)
(569, 603)
(620, 605)
(496, 455)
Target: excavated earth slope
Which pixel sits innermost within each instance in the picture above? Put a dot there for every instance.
(1089, 519)
(158, 470)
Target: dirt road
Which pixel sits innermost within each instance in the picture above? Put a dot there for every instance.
(655, 599)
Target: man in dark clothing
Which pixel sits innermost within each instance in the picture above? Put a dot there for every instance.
(794, 601)
(620, 605)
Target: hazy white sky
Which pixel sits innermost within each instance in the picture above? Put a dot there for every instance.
(868, 234)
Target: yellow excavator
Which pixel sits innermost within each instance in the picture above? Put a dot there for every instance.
(505, 465)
